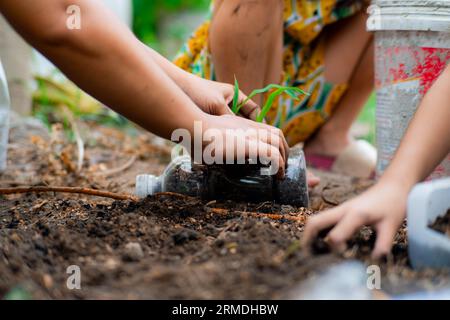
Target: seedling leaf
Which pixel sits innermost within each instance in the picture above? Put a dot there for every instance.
(293, 92)
(235, 108)
(268, 104)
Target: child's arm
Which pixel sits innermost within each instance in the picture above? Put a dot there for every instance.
(107, 61)
(425, 144)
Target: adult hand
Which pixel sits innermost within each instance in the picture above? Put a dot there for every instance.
(258, 139)
(383, 207)
(269, 141)
(214, 97)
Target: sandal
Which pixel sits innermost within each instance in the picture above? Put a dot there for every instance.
(359, 159)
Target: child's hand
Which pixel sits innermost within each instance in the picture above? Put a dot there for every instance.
(382, 207)
(215, 97)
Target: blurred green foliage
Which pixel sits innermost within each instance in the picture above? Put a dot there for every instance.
(367, 118)
(62, 101)
(18, 293)
(147, 15)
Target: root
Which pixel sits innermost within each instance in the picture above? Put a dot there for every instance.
(173, 194)
(273, 216)
(86, 191)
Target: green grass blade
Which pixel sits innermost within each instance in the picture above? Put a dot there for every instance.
(235, 108)
(293, 92)
(268, 104)
(256, 92)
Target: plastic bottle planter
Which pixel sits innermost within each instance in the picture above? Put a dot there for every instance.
(4, 118)
(427, 202)
(230, 182)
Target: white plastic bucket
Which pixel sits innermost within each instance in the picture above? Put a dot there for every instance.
(412, 40)
(427, 202)
(4, 118)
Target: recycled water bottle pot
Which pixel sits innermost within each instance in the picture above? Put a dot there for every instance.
(230, 182)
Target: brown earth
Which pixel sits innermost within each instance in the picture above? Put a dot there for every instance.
(161, 247)
(442, 224)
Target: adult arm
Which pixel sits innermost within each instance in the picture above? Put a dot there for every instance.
(107, 61)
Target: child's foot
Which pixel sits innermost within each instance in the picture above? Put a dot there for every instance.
(312, 179)
(341, 155)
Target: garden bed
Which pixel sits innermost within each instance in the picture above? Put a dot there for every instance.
(163, 247)
(442, 224)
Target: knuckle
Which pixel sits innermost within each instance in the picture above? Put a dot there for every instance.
(361, 215)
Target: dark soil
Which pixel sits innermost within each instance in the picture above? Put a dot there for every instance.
(442, 224)
(165, 246)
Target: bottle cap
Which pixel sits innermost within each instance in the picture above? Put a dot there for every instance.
(146, 185)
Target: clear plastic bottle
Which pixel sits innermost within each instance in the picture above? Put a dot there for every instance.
(4, 118)
(230, 182)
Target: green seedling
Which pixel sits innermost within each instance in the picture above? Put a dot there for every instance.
(293, 92)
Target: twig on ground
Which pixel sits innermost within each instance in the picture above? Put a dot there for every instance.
(273, 216)
(76, 190)
(263, 204)
(114, 171)
(173, 194)
(210, 203)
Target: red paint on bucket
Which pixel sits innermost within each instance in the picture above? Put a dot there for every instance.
(428, 64)
(404, 74)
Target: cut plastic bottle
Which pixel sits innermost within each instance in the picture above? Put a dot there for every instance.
(243, 183)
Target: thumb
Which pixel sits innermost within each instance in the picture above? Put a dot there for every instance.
(221, 108)
(250, 109)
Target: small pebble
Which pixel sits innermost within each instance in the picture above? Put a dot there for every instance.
(184, 235)
(133, 252)
(111, 264)
(47, 280)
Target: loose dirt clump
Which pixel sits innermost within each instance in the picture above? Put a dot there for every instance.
(167, 246)
(442, 224)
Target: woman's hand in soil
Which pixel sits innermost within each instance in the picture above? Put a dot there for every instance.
(383, 207)
(215, 97)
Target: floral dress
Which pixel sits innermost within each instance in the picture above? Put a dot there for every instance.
(303, 64)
